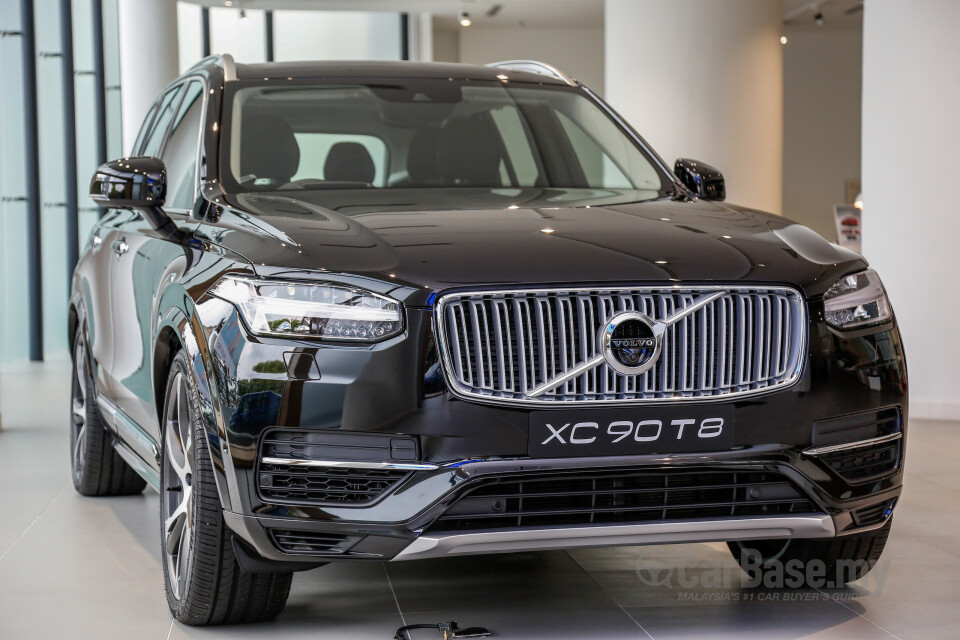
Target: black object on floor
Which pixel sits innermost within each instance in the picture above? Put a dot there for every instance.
(448, 629)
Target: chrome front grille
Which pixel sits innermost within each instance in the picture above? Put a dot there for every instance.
(501, 345)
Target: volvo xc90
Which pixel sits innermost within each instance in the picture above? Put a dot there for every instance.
(389, 311)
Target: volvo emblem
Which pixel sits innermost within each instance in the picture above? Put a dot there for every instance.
(630, 342)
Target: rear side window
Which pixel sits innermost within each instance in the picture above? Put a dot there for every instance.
(516, 142)
(144, 128)
(161, 122)
(598, 167)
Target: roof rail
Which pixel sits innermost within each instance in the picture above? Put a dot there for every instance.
(534, 66)
(225, 60)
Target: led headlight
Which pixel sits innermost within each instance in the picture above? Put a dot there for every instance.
(856, 300)
(299, 310)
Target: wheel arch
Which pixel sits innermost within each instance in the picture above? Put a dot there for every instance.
(176, 333)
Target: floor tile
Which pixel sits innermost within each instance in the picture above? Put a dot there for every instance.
(75, 567)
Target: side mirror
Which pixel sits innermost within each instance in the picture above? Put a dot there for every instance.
(134, 183)
(701, 178)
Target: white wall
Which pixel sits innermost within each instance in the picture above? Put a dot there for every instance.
(336, 35)
(577, 51)
(704, 79)
(190, 40)
(911, 98)
(446, 45)
(243, 38)
(821, 122)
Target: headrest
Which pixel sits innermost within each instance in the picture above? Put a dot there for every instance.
(349, 162)
(268, 148)
(469, 154)
(422, 167)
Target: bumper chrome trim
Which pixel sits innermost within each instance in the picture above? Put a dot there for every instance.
(816, 451)
(713, 530)
(350, 464)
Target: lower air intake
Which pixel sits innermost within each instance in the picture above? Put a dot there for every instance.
(311, 542)
(621, 496)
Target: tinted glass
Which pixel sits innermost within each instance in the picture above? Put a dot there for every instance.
(160, 123)
(180, 153)
(144, 128)
(425, 133)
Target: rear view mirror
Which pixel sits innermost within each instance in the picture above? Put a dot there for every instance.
(130, 183)
(701, 178)
(134, 183)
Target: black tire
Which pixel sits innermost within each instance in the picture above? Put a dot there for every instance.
(790, 563)
(204, 583)
(98, 470)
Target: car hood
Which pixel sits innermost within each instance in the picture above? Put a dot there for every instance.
(439, 239)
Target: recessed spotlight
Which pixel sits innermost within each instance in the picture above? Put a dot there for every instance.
(513, 206)
(727, 237)
(228, 3)
(665, 219)
(465, 20)
(783, 39)
(503, 77)
(546, 230)
(661, 262)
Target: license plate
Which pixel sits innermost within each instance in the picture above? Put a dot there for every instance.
(639, 431)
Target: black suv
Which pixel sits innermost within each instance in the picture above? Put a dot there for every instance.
(355, 310)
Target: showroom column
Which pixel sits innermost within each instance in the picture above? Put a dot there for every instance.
(148, 59)
(911, 219)
(703, 79)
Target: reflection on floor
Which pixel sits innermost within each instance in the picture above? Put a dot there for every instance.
(73, 567)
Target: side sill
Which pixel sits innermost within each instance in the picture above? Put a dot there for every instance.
(138, 465)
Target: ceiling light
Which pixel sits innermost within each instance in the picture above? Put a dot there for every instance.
(783, 39)
(465, 20)
(547, 230)
(661, 262)
(228, 3)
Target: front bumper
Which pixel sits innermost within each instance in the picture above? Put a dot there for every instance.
(387, 389)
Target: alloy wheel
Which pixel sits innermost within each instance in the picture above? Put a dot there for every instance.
(177, 496)
(78, 409)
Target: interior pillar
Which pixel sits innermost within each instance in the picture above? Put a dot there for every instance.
(148, 59)
(704, 79)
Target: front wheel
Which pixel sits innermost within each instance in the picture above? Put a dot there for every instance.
(205, 585)
(794, 563)
(98, 470)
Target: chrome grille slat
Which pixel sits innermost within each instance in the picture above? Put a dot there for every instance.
(500, 345)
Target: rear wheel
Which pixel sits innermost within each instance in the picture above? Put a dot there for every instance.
(797, 563)
(204, 582)
(98, 470)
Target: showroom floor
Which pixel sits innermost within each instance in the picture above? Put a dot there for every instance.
(73, 567)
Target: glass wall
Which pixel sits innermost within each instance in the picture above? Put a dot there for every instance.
(297, 35)
(13, 210)
(15, 322)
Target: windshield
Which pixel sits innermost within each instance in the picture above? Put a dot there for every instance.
(427, 133)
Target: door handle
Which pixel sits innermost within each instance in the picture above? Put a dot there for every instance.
(120, 247)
